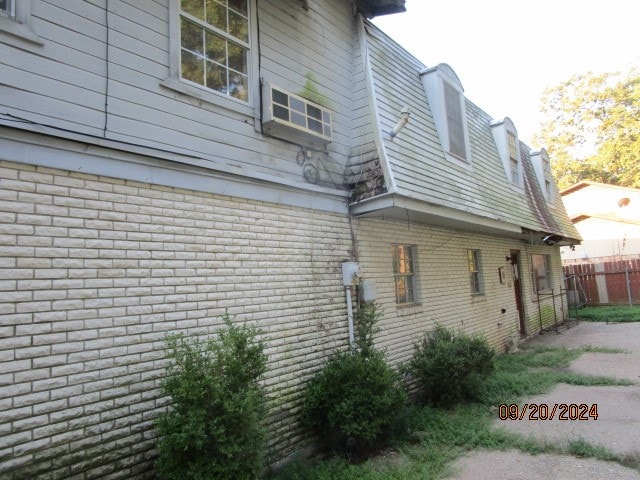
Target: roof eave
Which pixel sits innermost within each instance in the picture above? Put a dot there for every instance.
(399, 207)
(376, 8)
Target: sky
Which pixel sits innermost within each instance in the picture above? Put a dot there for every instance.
(506, 52)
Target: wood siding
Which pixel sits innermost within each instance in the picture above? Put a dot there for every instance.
(100, 69)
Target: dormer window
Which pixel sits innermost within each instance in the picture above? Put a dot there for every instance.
(514, 163)
(455, 121)
(508, 145)
(547, 177)
(542, 166)
(446, 99)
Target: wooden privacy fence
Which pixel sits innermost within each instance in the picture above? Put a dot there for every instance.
(615, 282)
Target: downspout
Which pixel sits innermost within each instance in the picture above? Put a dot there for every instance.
(352, 339)
(350, 274)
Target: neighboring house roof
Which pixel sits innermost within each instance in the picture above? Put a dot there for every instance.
(420, 183)
(601, 200)
(586, 183)
(608, 217)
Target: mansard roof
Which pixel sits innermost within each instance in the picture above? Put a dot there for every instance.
(418, 175)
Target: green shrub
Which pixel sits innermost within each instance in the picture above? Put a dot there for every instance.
(450, 367)
(354, 401)
(214, 428)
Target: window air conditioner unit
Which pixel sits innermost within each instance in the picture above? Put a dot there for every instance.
(293, 118)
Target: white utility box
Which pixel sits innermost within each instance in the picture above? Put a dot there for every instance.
(350, 273)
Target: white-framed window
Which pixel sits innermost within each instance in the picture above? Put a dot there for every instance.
(7, 8)
(475, 272)
(541, 272)
(214, 45)
(15, 20)
(213, 52)
(405, 274)
(514, 159)
(446, 100)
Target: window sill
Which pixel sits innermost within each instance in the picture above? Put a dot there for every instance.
(461, 162)
(20, 31)
(208, 97)
(478, 298)
(406, 309)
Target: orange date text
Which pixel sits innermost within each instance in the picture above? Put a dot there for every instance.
(547, 411)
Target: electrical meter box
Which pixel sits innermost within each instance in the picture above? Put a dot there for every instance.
(350, 273)
(368, 292)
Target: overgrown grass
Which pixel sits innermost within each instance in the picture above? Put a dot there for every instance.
(435, 436)
(582, 448)
(614, 313)
(536, 371)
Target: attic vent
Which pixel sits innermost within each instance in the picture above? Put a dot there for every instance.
(623, 202)
(294, 118)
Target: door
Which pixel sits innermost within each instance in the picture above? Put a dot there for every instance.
(514, 259)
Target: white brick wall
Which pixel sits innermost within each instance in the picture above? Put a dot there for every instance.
(444, 288)
(94, 272)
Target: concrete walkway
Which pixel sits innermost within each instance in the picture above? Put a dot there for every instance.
(616, 428)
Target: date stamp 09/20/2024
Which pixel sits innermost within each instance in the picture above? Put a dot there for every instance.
(547, 411)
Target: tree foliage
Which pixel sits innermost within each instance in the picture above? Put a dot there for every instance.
(592, 129)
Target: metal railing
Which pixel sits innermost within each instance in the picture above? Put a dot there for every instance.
(559, 316)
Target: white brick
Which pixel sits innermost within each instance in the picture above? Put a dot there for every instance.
(115, 287)
(49, 339)
(10, 343)
(36, 177)
(33, 307)
(34, 263)
(51, 273)
(32, 398)
(49, 361)
(67, 304)
(29, 219)
(32, 352)
(40, 295)
(49, 316)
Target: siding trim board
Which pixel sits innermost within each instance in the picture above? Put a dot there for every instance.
(111, 158)
(389, 179)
